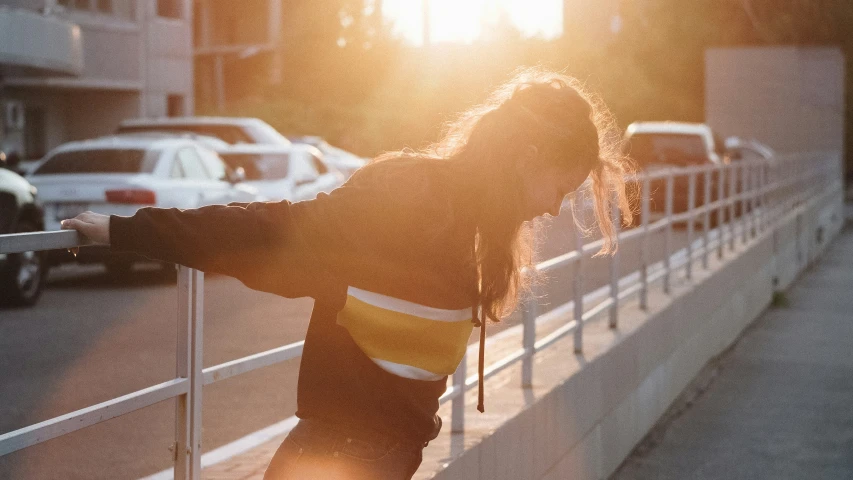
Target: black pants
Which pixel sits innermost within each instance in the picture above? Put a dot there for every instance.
(318, 450)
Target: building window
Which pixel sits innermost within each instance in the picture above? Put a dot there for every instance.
(175, 105)
(170, 8)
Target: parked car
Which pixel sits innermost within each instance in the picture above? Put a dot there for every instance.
(346, 162)
(656, 145)
(120, 174)
(296, 172)
(233, 130)
(243, 130)
(738, 149)
(22, 275)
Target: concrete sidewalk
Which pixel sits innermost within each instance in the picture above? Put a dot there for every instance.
(777, 405)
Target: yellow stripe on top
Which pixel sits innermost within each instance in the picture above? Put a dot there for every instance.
(405, 338)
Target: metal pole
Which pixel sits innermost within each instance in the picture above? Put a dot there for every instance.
(744, 189)
(577, 288)
(219, 82)
(187, 447)
(691, 205)
(668, 238)
(706, 219)
(751, 198)
(720, 195)
(529, 313)
(457, 415)
(731, 203)
(425, 22)
(762, 195)
(645, 193)
(615, 216)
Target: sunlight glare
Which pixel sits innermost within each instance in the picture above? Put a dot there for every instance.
(463, 21)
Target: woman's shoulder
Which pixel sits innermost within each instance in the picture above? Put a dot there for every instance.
(421, 191)
(406, 177)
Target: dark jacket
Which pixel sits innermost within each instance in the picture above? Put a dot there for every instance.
(388, 258)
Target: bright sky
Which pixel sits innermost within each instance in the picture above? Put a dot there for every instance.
(464, 20)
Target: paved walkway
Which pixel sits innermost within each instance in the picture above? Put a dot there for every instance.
(779, 404)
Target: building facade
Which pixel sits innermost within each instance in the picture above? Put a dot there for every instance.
(790, 98)
(233, 37)
(73, 69)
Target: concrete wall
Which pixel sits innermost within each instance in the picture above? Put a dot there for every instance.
(790, 98)
(76, 115)
(585, 413)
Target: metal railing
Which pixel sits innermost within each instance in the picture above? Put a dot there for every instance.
(744, 198)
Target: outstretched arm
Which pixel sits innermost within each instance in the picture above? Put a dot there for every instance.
(280, 247)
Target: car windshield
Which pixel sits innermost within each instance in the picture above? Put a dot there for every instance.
(265, 134)
(96, 161)
(668, 149)
(259, 166)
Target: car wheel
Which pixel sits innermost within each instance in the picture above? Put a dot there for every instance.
(118, 269)
(22, 277)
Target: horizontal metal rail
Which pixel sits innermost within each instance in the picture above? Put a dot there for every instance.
(70, 422)
(39, 241)
(252, 362)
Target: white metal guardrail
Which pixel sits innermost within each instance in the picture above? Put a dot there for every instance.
(743, 198)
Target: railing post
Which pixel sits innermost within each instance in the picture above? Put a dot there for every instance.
(691, 206)
(187, 447)
(616, 218)
(731, 204)
(706, 218)
(577, 287)
(645, 194)
(529, 312)
(744, 195)
(667, 263)
(720, 195)
(457, 415)
(753, 177)
(759, 196)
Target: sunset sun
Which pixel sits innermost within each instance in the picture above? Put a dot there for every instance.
(465, 21)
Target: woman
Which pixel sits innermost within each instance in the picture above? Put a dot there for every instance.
(402, 261)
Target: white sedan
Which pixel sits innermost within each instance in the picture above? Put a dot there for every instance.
(120, 174)
(294, 172)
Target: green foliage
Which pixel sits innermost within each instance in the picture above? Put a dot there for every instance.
(376, 94)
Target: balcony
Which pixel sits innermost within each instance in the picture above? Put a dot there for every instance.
(32, 44)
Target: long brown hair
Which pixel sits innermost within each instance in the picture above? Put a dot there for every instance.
(558, 115)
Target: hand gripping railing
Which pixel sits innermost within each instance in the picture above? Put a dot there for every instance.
(747, 198)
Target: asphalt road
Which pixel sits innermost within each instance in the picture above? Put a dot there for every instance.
(89, 340)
